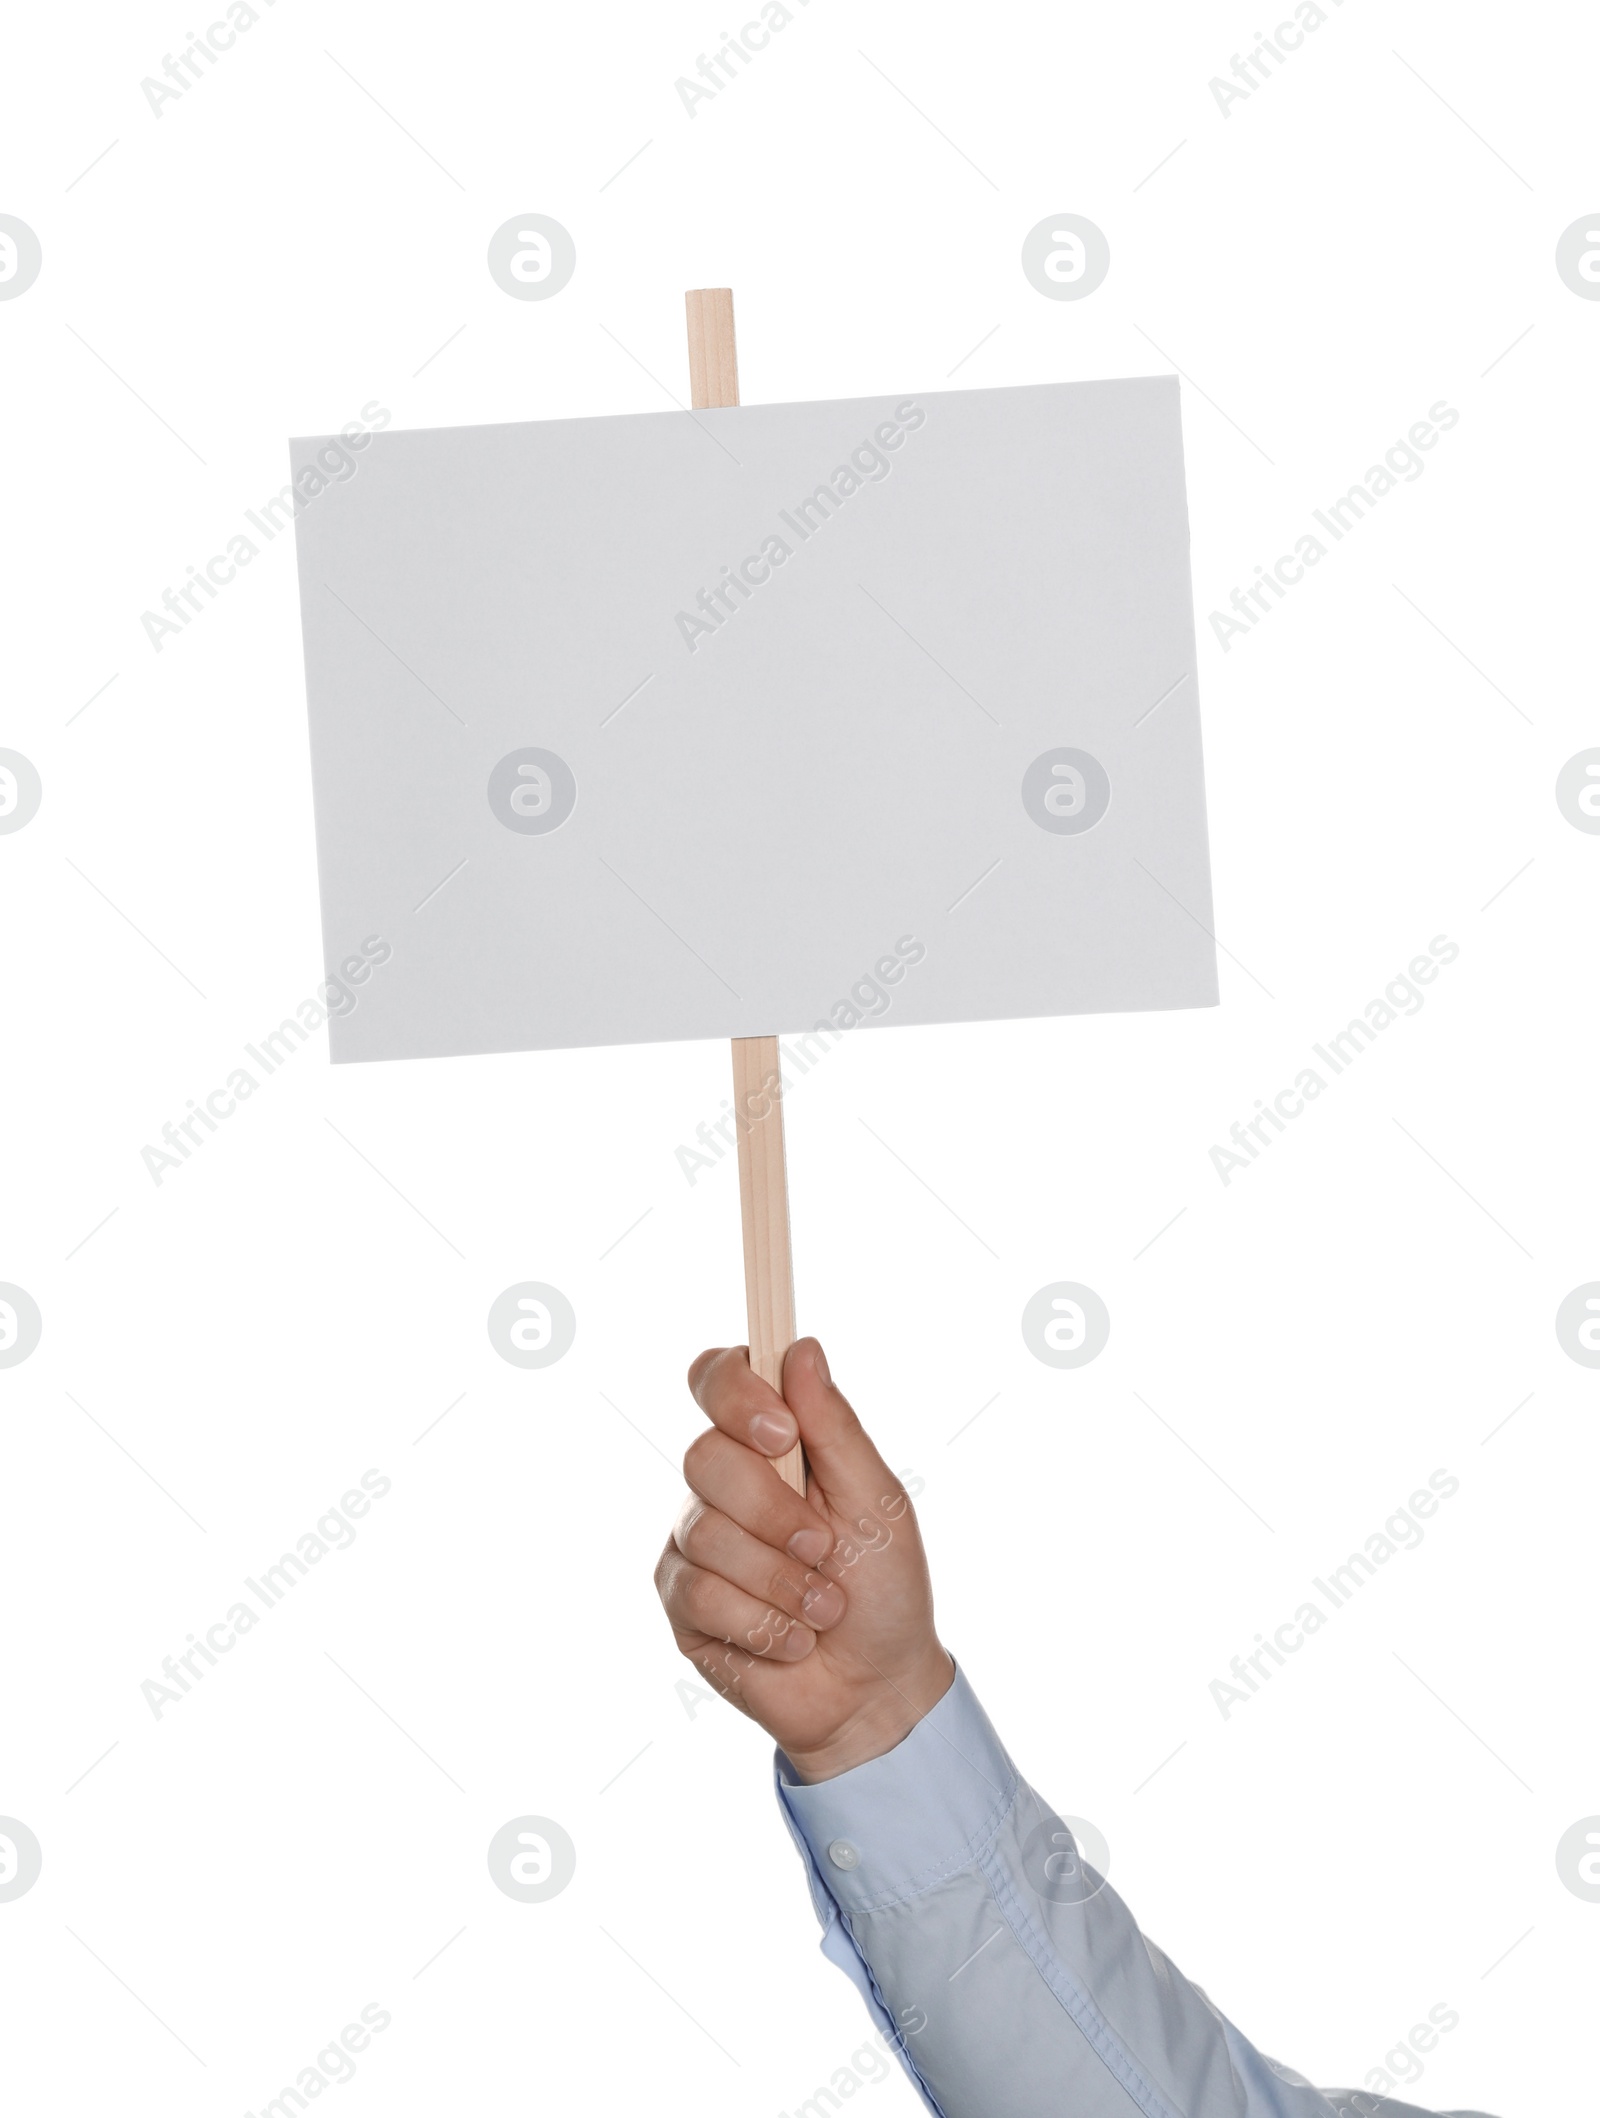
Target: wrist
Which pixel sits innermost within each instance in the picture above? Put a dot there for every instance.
(883, 1723)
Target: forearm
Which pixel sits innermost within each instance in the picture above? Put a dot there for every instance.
(1015, 1980)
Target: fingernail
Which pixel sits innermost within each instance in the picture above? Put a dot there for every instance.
(822, 1366)
(774, 1432)
(822, 1606)
(810, 1546)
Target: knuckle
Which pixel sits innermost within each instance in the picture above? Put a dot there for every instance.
(690, 1534)
(700, 1600)
(704, 1366)
(723, 1672)
(700, 1455)
(715, 1376)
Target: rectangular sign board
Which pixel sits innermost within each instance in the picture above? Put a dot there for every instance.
(696, 724)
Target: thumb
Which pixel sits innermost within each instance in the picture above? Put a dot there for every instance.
(839, 1451)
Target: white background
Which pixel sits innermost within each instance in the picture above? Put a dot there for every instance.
(1375, 1831)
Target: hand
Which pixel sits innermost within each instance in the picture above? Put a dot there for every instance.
(814, 1616)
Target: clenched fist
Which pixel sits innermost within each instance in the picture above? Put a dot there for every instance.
(814, 1616)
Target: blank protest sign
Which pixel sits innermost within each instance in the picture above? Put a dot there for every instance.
(678, 725)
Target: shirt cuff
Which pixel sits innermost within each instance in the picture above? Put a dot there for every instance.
(892, 1828)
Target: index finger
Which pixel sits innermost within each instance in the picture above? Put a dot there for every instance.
(735, 1399)
(846, 1469)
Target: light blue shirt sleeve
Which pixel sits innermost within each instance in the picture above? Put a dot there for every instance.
(1008, 1975)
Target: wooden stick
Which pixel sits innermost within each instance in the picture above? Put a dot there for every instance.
(764, 1208)
(757, 1080)
(713, 357)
